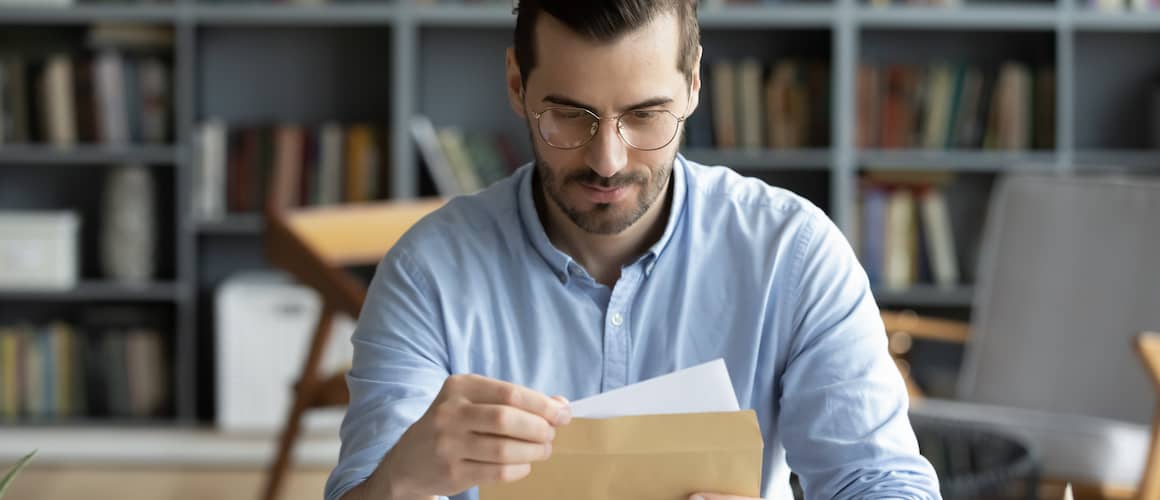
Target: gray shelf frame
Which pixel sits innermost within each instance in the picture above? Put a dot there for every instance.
(87, 291)
(848, 21)
(88, 154)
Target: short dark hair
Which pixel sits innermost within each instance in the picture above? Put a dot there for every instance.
(605, 21)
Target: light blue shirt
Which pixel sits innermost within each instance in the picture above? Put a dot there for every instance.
(744, 271)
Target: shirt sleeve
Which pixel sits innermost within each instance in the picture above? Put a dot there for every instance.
(843, 404)
(400, 363)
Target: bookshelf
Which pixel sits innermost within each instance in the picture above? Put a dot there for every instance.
(259, 64)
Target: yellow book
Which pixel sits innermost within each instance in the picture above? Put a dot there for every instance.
(9, 375)
(358, 151)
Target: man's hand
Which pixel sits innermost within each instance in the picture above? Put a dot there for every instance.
(477, 431)
(712, 496)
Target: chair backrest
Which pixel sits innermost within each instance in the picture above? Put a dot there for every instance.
(315, 244)
(1069, 274)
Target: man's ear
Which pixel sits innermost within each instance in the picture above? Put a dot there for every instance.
(695, 93)
(515, 85)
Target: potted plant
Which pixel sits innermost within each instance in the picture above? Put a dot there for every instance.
(4, 483)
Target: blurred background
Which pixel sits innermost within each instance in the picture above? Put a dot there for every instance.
(148, 348)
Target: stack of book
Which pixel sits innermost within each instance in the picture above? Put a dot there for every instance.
(905, 231)
(752, 106)
(462, 162)
(335, 164)
(954, 106)
(60, 370)
(117, 94)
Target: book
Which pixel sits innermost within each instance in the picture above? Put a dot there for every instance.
(901, 249)
(288, 156)
(330, 164)
(209, 180)
(438, 165)
(751, 133)
(786, 107)
(724, 104)
(451, 141)
(13, 101)
(939, 240)
(154, 98)
(873, 231)
(133, 36)
(59, 108)
(868, 112)
(146, 376)
(938, 102)
(11, 374)
(112, 108)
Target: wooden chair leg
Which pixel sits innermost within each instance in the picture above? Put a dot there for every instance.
(277, 470)
(304, 396)
(1148, 347)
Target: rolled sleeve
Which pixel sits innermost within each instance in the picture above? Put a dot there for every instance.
(843, 404)
(399, 366)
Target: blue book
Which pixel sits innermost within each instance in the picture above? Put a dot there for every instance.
(874, 202)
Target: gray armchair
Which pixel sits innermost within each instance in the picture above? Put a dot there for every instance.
(1069, 275)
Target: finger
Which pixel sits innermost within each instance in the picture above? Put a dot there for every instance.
(507, 421)
(499, 450)
(715, 496)
(478, 474)
(479, 389)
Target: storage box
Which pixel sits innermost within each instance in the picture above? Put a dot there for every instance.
(264, 326)
(38, 250)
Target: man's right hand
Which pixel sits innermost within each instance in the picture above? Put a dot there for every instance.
(477, 431)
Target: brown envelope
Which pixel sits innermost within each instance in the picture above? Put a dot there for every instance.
(648, 457)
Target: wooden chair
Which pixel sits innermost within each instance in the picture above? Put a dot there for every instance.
(902, 327)
(1148, 346)
(1064, 283)
(316, 246)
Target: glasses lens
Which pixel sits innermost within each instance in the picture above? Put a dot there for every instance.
(648, 129)
(567, 128)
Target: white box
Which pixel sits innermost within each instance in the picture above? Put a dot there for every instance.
(38, 250)
(265, 323)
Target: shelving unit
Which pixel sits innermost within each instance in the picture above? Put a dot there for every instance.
(384, 62)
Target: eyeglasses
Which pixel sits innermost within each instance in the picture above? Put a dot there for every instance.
(571, 128)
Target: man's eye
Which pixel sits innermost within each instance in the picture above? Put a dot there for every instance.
(645, 115)
(570, 114)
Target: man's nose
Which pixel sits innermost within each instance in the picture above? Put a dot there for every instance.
(607, 153)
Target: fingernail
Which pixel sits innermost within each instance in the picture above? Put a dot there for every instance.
(547, 450)
(696, 497)
(564, 415)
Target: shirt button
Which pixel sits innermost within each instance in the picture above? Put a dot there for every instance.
(617, 319)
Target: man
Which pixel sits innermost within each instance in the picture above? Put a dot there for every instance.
(612, 260)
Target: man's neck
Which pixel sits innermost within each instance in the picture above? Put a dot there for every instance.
(602, 255)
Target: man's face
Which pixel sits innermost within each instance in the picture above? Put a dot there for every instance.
(605, 186)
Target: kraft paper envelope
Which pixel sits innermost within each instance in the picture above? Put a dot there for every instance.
(647, 457)
(692, 440)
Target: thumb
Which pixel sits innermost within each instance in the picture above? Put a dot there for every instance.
(714, 496)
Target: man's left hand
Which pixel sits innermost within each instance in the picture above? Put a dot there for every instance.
(714, 496)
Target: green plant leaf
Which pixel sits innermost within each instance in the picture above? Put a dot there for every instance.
(12, 473)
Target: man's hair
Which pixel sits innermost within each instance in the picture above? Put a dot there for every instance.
(605, 21)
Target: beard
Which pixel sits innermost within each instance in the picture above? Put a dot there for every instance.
(603, 218)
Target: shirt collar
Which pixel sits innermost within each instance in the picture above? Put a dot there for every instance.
(561, 263)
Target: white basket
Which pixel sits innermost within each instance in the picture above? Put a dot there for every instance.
(38, 250)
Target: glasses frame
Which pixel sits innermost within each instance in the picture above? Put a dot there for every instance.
(619, 125)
